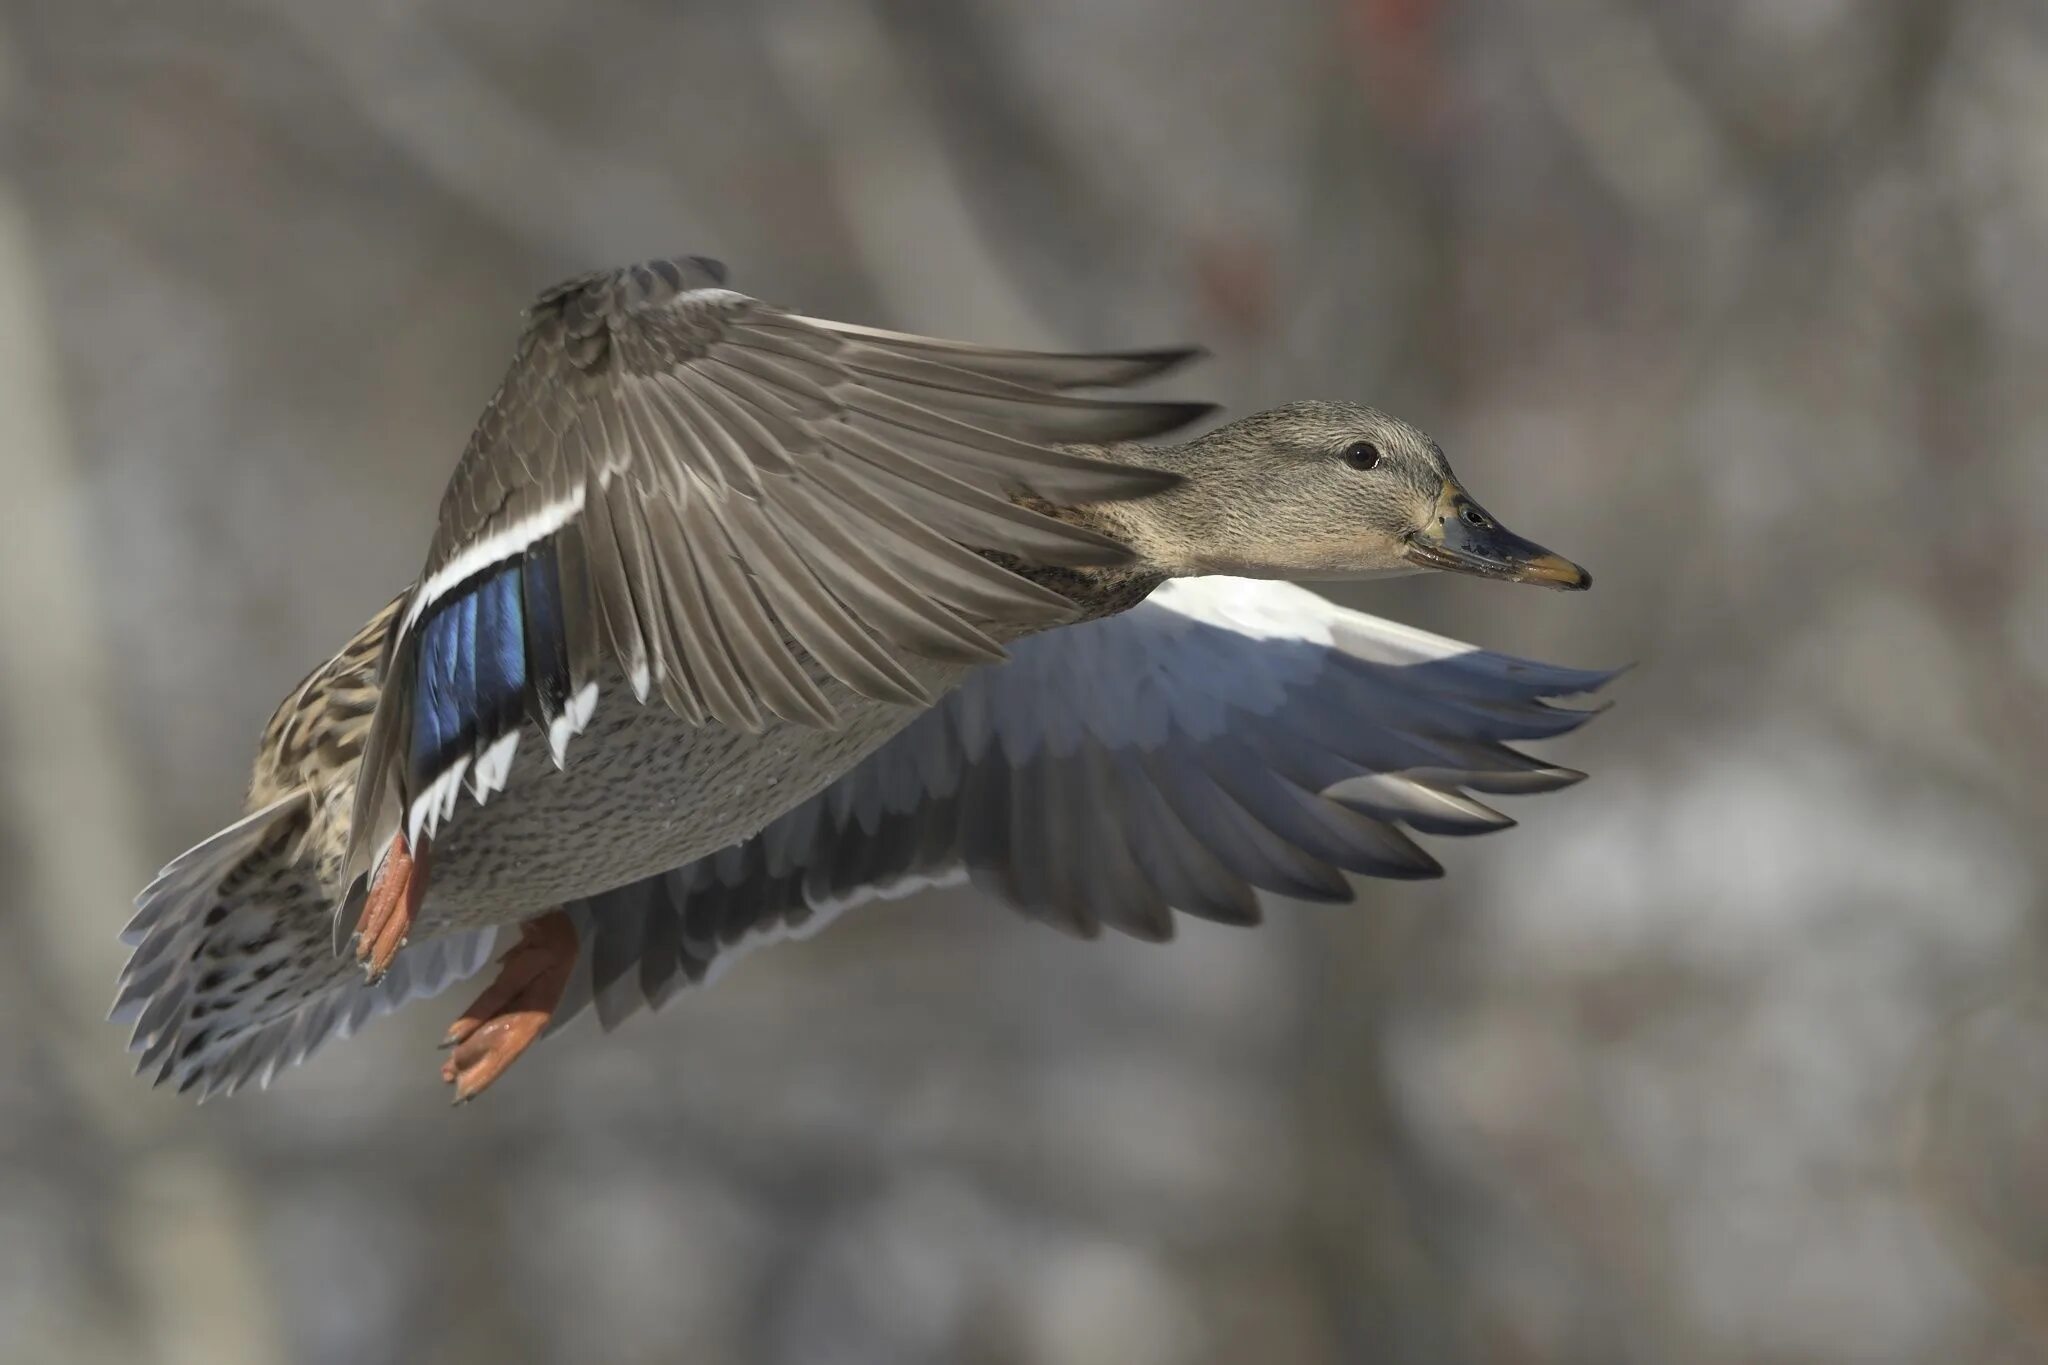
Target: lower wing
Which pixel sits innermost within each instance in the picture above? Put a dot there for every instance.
(1225, 737)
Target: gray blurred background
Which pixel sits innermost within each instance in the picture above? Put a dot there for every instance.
(1738, 1052)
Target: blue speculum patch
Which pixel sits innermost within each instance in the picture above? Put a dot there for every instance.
(488, 653)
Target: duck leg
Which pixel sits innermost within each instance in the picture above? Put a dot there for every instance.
(388, 912)
(506, 1019)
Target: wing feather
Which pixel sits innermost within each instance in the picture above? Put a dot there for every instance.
(1222, 738)
(738, 495)
(813, 616)
(745, 623)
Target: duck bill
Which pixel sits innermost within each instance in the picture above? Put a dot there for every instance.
(1464, 538)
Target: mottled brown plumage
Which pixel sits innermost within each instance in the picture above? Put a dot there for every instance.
(777, 543)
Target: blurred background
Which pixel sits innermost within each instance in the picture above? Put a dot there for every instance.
(1737, 1052)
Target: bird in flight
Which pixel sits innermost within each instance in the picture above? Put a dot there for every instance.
(735, 618)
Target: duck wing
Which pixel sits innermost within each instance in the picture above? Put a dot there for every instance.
(1224, 737)
(701, 488)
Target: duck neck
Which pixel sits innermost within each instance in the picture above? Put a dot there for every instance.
(1147, 525)
(1098, 591)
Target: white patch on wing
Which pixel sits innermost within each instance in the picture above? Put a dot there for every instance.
(572, 720)
(494, 548)
(436, 803)
(1267, 609)
(494, 766)
(1261, 608)
(451, 786)
(559, 731)
(583, 705)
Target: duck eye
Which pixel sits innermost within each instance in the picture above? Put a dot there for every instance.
(1361, 454)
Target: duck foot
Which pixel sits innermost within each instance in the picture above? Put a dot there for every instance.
(388, 912)
(506, 1019)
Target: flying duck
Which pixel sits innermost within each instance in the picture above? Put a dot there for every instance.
(735, 618)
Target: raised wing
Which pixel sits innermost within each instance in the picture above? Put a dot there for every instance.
(704, 490)
(1226, 736)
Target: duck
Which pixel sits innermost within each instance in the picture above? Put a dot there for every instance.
(735, 618)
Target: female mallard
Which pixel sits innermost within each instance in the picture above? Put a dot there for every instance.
(802, 548)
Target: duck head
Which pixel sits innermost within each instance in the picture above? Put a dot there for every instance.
(1324, 491)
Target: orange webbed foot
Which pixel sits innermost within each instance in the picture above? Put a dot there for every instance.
(514, 1009)
(393, 902)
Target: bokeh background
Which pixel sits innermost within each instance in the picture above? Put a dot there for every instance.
(1737, 1052)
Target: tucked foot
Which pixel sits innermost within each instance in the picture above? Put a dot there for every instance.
(504, 1021)
(393, 901)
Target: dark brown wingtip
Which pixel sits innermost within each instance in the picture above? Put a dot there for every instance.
(1132, 421)
(1174, 416)
(1145, 483)
(1153, 362)
(1117, 368)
